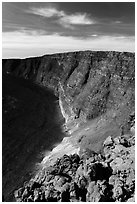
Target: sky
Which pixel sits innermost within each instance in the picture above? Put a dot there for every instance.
(34, 28)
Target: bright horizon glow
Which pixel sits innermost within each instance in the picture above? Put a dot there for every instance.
(26, 45)
(35, 29)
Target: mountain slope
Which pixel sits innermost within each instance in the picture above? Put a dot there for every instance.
(96, 92)
(31, 125)
(89, 85)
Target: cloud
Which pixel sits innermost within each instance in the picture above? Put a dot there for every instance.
(117, 22)
(64, 19)
(77, 19)
(21, 44)
(94, 35)
(46, 12)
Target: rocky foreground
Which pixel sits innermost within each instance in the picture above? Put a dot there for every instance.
(90, 177)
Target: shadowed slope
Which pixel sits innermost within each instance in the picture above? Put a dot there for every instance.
(31, 125)
(92, 86)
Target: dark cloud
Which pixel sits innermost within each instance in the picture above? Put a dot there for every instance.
(108, 18)
(33, 28)
(108, 10)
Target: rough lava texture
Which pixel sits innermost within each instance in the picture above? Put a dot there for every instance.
(96, 93)
(90, 177)
(88, 83)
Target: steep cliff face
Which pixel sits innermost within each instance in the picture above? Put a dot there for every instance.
(88, 84)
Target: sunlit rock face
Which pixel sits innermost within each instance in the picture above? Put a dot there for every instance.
(90, 86)
(88, 83)
(91, 177)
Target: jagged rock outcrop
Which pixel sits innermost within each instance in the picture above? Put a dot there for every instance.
(109, 176)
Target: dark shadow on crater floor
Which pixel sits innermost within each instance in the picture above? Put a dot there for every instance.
(31, 123)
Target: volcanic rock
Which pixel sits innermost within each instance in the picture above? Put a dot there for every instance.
(95, 92)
